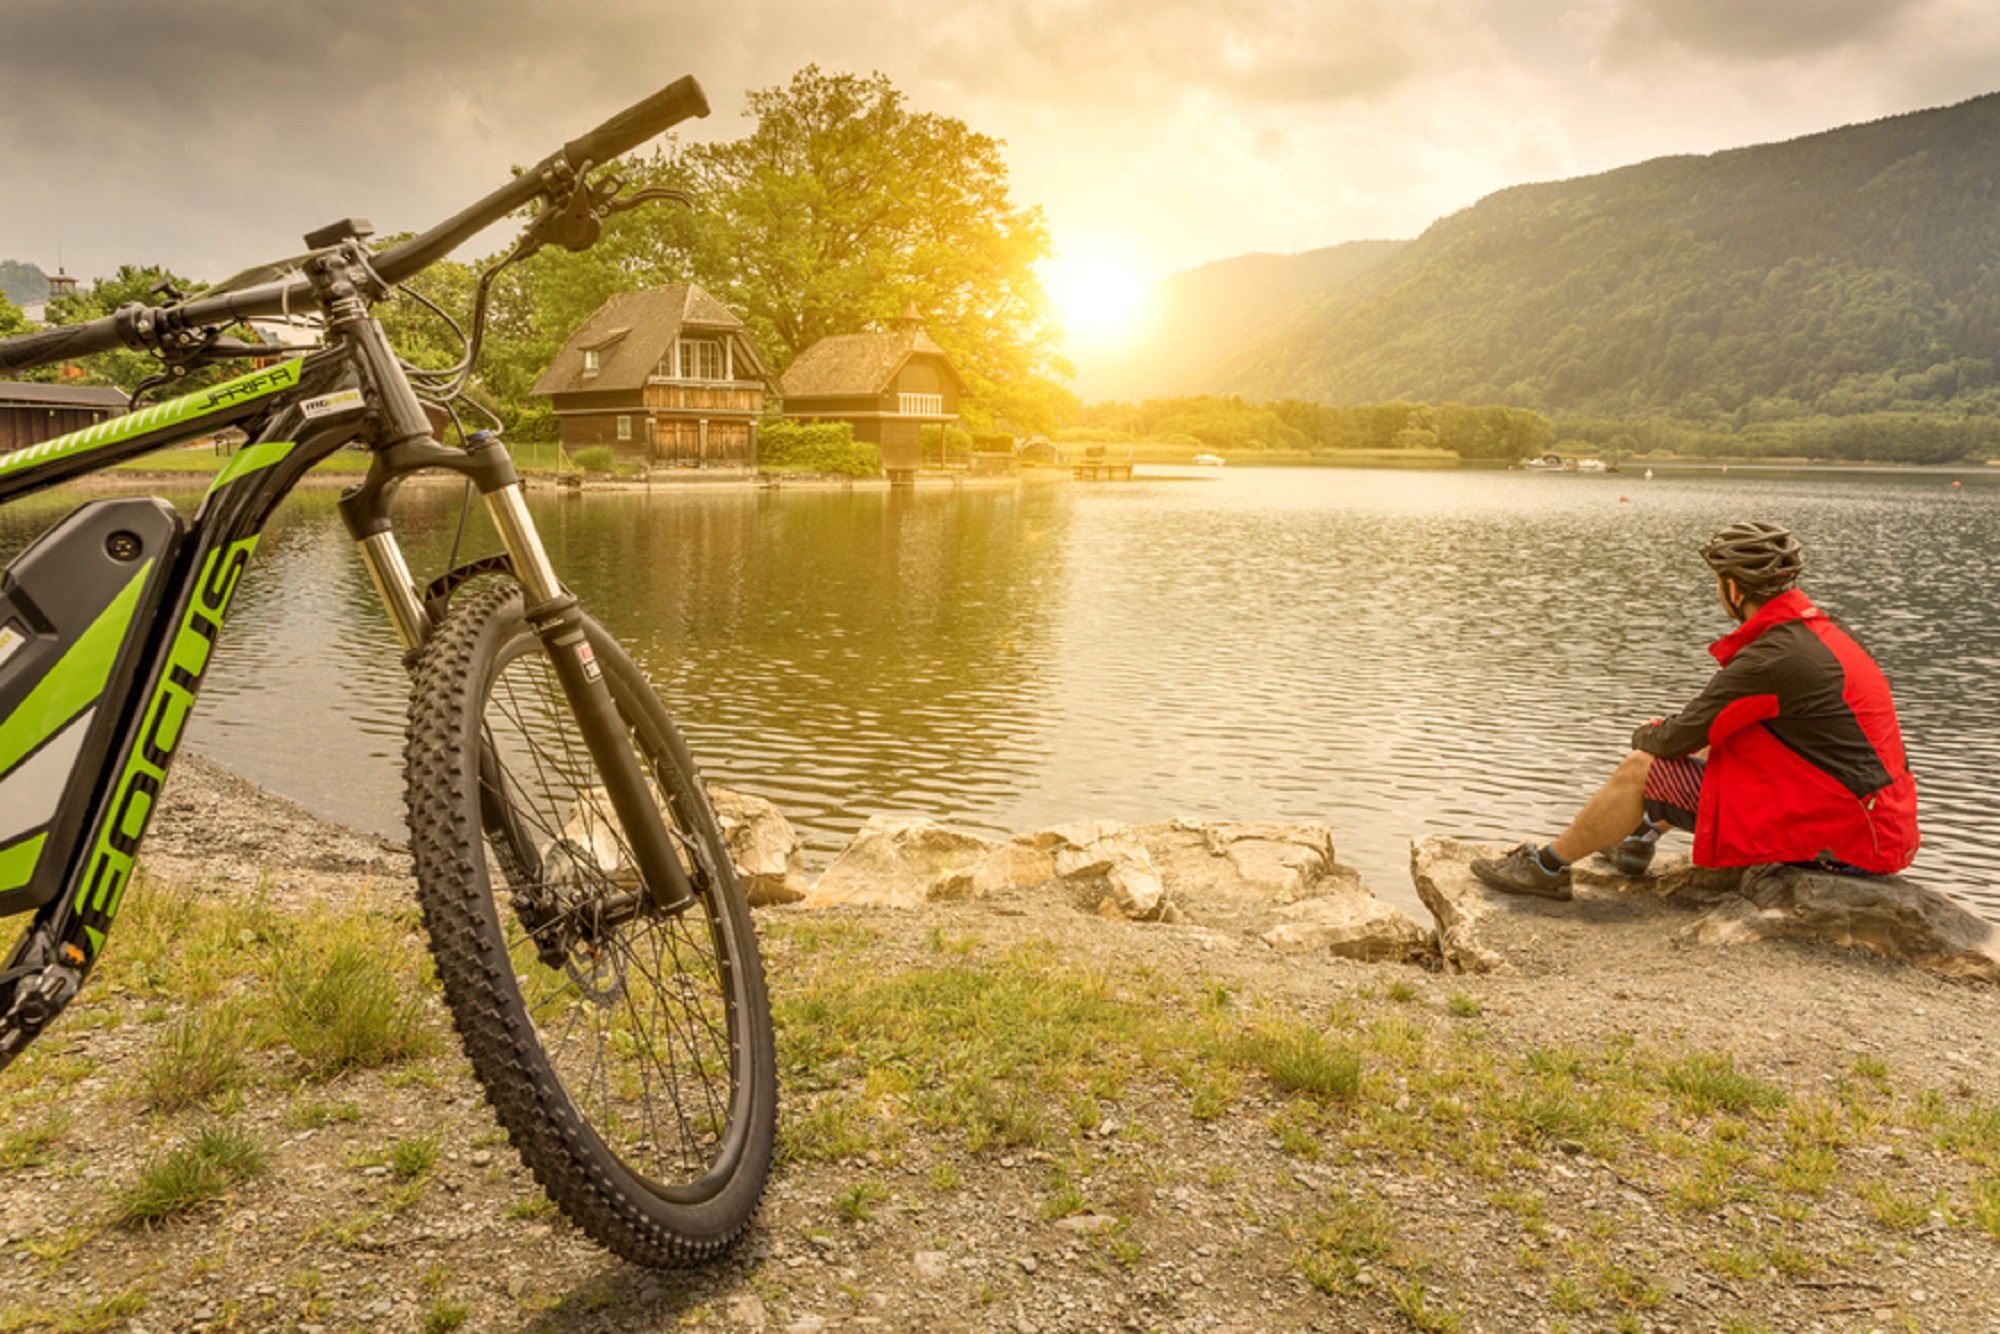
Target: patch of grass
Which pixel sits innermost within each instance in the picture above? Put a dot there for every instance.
(1413, 1303)
(1732, 1263)
(1464, 1006)
(195, 1059)
(202, 1167)
(1705, 1083)
(1298, 1056)
(412, 1158)
(1066, 1201)
(1340, 1238)
(530, 1207)
(444, 1315)
(27, 1143)
(311, 1113)
(831, 1128)
(1571, 1297)
(857, 1203)
(1893, 1209)
(340, 1000)
(1986, 1204)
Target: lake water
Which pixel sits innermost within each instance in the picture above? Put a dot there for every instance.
(1392, 653)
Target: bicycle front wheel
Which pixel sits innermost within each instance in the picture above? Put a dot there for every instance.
(626, 1050)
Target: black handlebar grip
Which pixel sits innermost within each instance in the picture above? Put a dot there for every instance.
(634, 125)
(26, 351)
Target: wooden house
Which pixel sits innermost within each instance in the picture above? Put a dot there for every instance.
(888, 386)
(32, 413)
(667, 377)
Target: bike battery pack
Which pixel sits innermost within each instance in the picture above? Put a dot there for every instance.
(75, 609)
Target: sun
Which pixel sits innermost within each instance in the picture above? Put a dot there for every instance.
(1099, 292)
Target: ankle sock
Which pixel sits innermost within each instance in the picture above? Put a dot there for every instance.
(1546, 855)
(1647, 832)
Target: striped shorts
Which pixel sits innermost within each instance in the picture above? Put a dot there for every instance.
(1673, 791)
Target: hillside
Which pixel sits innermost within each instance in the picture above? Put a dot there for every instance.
(1197, 312)
(1845, 272)
(21, 282)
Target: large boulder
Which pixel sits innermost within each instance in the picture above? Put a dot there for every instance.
(1885, 915)
(1106, 868)
(1014, 865)
(769, 859)
(1441, 868)
(1262, 862)
(1353, 925)
(893, 861)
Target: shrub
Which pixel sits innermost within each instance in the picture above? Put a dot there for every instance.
(595, 459)
(816, 447)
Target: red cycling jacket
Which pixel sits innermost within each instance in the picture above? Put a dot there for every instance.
(1805, 755)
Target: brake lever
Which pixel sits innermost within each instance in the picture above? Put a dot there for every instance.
(576, 220)
(651, 194)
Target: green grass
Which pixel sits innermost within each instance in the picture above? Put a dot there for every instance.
(203, 1166)
(195, 1059)
(1299, 1056)
(342, 1002)
(1707, 1083)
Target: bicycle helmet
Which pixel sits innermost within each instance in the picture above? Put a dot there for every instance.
(1763, 558)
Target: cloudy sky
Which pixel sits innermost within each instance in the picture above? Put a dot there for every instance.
(1154, 134)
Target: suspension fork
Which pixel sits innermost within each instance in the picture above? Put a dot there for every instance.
(552, 613)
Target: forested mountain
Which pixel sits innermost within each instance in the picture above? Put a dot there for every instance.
(22, 282)
(1853, 271)
(1198, 315)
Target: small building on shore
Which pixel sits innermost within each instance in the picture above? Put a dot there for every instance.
(888, 386)
(32, 413)
(667, 377)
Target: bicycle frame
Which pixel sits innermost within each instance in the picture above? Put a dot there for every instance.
(77, 865)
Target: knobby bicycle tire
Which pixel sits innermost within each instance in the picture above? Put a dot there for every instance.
(627, 1053)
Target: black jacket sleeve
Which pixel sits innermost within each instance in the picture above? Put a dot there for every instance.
(1754, 676)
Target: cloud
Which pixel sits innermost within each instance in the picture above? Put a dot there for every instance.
(1736, 31)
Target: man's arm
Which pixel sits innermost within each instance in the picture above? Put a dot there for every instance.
(1744, 692)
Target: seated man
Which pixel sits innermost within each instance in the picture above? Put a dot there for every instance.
(1792, 752)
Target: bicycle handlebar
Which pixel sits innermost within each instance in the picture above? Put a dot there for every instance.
(26, 350)
(678, 101)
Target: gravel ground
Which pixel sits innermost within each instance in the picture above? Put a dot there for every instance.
(1177, 1218)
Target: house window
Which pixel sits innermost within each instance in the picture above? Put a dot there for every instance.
(590, 362)
(701, 359)
(921, 405)
(624, 428)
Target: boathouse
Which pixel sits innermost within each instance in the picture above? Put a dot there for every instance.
(32, 413)
(667, 377)
(888, 386)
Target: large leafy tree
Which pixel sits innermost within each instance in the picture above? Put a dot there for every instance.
(132, 282)
(843, 206)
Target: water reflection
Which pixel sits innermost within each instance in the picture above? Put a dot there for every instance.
(1392, 653)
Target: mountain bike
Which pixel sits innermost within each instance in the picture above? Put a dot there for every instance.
(594, 946)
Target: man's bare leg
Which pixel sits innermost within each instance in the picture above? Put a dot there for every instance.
(1611, 813)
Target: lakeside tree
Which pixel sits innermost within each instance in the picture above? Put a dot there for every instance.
(122, 368)
(843, 205)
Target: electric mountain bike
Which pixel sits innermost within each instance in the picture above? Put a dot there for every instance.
(594, 946)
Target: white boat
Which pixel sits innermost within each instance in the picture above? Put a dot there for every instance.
(1590, 465)
(1208, 460)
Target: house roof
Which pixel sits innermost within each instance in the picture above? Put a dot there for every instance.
(63, 395)
(861, 363)
(633, 330)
